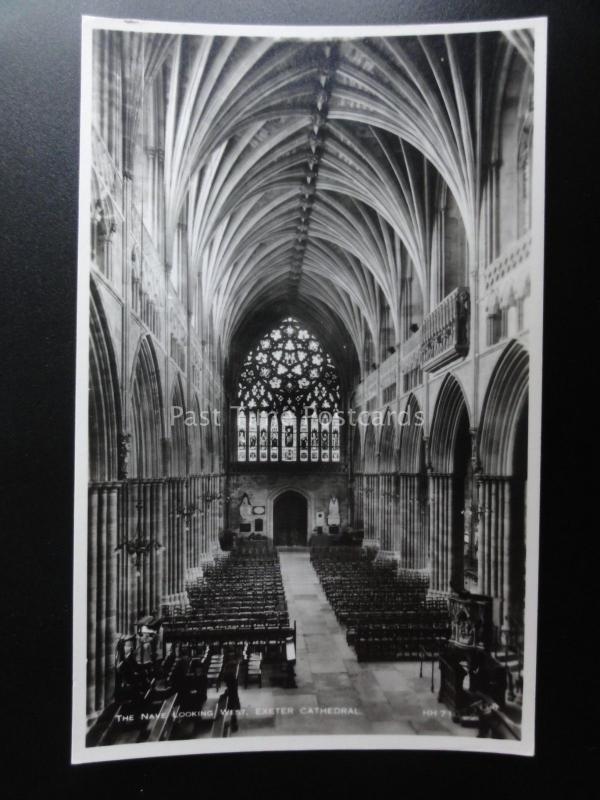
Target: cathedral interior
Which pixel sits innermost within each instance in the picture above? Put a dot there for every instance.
(310, 268)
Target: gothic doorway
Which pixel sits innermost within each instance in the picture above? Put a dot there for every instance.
(290, 520)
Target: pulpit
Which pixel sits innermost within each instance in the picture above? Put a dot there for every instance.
(470, 622)
(468, 654)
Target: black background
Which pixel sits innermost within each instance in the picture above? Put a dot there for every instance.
(39, 156)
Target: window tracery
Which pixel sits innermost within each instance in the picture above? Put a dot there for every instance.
(288, 397)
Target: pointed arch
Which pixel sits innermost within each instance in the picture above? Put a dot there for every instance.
(147, 412)
(412, 489)
(450, 415)
(104, 400)
(178, 432)
(505, 400)
(411, 456)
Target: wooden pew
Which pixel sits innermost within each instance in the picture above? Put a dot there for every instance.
(162, 726)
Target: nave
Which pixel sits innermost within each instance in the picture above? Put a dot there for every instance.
(311, 271)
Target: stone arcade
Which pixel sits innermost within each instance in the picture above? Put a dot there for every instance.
(286, 236)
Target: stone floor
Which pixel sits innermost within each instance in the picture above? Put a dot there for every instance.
(335, 693)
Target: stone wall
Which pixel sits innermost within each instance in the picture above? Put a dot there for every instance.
(263, 488)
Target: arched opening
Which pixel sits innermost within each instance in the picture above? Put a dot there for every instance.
(504, 402)
(178, 433)
(106, 465)
(290, 520)
(104, 408)
(412, 488)
(503, 453)
(147, 413)
(451, 488)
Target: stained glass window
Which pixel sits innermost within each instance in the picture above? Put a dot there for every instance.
(325, 422)
(303, 438)
(288, 422)
(252, 436)
(241, 436)
(335, 437)
(274, 451)
(263, 434)
(314, 437)
(286, 382)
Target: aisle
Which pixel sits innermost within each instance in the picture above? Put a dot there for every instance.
(336, 694)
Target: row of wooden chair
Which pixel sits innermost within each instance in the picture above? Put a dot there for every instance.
(386, 611)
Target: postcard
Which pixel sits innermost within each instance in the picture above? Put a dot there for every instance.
(308, 413)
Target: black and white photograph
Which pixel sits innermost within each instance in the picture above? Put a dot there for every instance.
(309, 373)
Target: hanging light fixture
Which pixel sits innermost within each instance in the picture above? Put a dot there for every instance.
(140, 546)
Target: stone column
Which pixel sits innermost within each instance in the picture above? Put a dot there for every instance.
(403, 513)
(433, 531)
(112, 520)
(132, 572)
(180, 535)
(100, 595)
(159, 552)
(443, 559)
(413, 522)
(506, 552)
(423, 527)
(494, 497)
(92, 588)
(454, 545)
(102, 592)
(164, 555)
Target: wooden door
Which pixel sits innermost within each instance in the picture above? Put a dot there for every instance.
(290, 520)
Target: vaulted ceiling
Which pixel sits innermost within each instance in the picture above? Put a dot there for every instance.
(307, 171)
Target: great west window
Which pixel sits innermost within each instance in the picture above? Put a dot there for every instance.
(288, 399)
